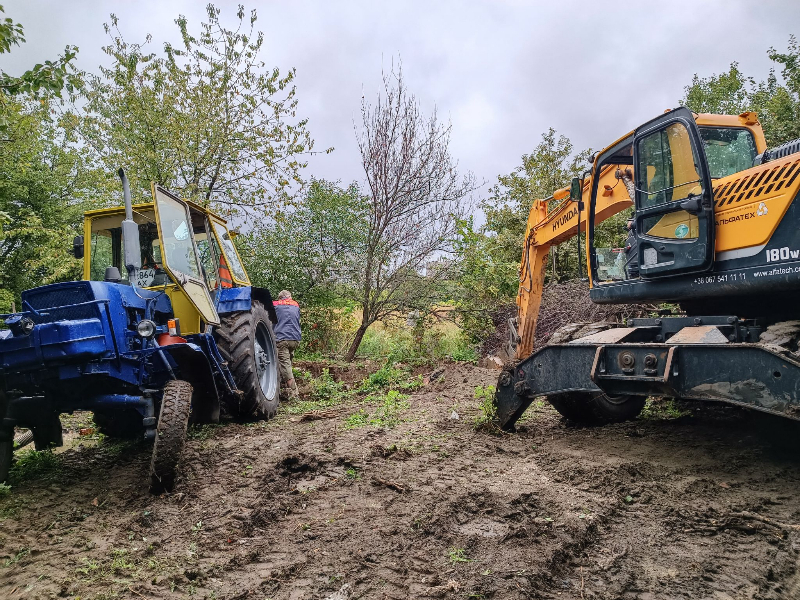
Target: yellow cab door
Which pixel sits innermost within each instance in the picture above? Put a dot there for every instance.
(674, 209)
(179, 252)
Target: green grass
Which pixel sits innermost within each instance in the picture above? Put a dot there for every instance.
(357, 420)
(390, 376)
(325, 392)
(10, 562)
(457, 555)
(485, 397)
(387, 413)
(663, 409)
(31, 464)
(202, 432)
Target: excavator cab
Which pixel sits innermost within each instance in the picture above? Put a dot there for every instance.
(672, 229)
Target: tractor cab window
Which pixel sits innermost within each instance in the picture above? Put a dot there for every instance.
(231, 256)
(209, 250)
(107, 249)
(729, 150)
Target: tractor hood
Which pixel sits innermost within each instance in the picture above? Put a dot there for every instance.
(75, 322)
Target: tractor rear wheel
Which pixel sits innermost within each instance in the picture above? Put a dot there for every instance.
(247, 343)
(173, 421)
(597, 408)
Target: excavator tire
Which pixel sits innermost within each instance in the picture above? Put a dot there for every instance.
(247, 343)
(173, 421)
(592, 408)
(6, 442)
(597, 408)
(6, 454)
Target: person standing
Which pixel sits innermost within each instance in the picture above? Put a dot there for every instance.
(287, 337)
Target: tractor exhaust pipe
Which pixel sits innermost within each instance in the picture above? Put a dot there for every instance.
(130, 232)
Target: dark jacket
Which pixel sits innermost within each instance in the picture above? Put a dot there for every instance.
(288, 327)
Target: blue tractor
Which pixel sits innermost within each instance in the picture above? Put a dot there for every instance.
(164, 329)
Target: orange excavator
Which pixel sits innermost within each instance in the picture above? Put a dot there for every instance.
(714, 228)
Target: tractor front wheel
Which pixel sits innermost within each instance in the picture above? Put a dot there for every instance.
(597, 408)
(247, 344)
(173, 421)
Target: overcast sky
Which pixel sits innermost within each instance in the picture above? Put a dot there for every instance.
(501, 71)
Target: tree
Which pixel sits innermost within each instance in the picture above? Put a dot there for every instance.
(206, 119)
(550, 167)
(312, 249)
(416, 198)
(46, 182)
(489, 258)
(50, 77)
(777, 101)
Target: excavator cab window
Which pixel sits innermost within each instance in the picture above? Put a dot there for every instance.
(674, 223)
(666, 173)
(729, 150)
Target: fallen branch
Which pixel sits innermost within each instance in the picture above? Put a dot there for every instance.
(390, 484)
(756, 517)
(316, 415)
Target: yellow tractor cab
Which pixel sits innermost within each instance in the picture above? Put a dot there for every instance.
(186, 250)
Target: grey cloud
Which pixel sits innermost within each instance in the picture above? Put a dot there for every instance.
(502, 72)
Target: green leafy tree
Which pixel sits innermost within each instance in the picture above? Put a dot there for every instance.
(550, 167)
(486, 281)
(205, 118)
(49, 77)
(46, 182)
(776, 99)
(312, 249)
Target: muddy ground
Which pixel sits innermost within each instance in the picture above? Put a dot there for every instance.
(705, 505)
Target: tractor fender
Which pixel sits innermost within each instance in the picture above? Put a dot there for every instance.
(239, 299)
(193, 366)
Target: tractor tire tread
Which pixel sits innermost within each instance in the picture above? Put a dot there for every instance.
(236, 343)
(173, 422)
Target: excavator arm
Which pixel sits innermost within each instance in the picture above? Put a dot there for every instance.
(547, 228)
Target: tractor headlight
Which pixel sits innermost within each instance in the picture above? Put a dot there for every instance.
(146, 328)
(20, 326)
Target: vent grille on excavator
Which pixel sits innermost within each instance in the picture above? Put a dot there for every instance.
(757, 184)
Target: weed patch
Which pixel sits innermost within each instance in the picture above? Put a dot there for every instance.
(387, 414)
(457, 555)
(325, 392)
(392, 377)
(485, 397)
(663, 409)
(31, 464)
(202, 432)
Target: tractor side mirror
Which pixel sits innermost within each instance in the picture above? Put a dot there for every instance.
(77, 246)
(576, 189)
